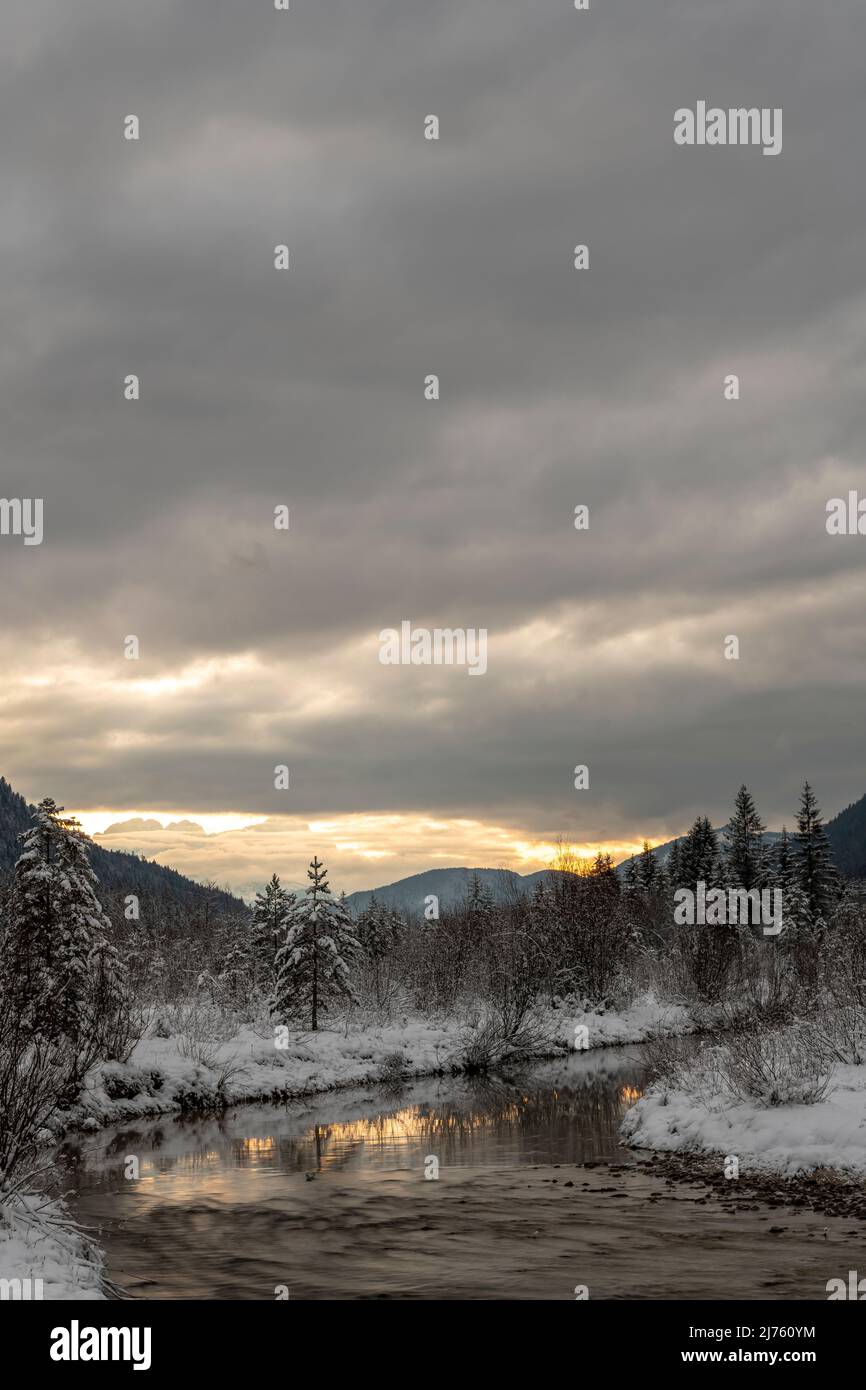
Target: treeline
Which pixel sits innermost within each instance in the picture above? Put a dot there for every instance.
(801, 865)
(823, 938)
(587, 933)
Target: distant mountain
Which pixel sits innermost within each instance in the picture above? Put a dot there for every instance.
(847, 835)
(129, 827)
(186, 827)
(119, 871)
(137, 823)
(449, 886)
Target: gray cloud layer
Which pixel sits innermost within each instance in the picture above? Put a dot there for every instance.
(558, 387)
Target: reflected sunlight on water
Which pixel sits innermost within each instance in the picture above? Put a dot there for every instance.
(477, 1122)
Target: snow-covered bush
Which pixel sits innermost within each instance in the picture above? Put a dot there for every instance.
(393, 1068)
(123, 1082)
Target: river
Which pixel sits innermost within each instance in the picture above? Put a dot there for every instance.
(445, 1188)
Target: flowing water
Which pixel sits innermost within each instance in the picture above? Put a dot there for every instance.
(338, 1198)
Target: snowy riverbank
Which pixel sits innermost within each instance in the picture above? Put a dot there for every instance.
(161, 1078)
(785, 1138)
(43, 1255)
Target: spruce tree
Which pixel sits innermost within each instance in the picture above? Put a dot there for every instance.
(673, 865)
(314, 961)
(648, 874)
(699, 859)
(630, 880)
(745, 859)
(272, 913)
(97, 1000)
(783, 870)
(57, 962)
(814, 870)
(603, 868)
(377, 930)
(480, 905)
(398, 925)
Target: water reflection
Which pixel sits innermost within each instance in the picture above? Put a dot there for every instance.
(561, 1112)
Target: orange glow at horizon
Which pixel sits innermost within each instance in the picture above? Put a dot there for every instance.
(362, 850)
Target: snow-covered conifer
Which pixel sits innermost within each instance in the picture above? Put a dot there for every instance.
(815, 871)
(314, 962)
(57, 959)
(745, 857)
(273, 912)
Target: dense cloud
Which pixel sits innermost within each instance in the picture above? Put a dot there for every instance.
(305, 387)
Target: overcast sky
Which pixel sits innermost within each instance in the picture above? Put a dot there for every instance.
(305, 387)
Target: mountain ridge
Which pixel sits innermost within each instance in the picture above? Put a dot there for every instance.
(116, 869)
(847, 835)
(448, 885)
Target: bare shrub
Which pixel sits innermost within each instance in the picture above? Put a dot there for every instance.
(36, 1076)
(669, 1059)
(705, 962)
(380, 989)
(768, 992)
(592, 935)
(226, 1070)
(776, 1066)
(498, 1033)
(845, 957)
(118, 1030)
(841, 1034)
(201, 1029)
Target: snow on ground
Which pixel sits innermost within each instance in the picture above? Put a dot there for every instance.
(41, 1256)
(249, 1067)
(634, 1024)
(779, 1138)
